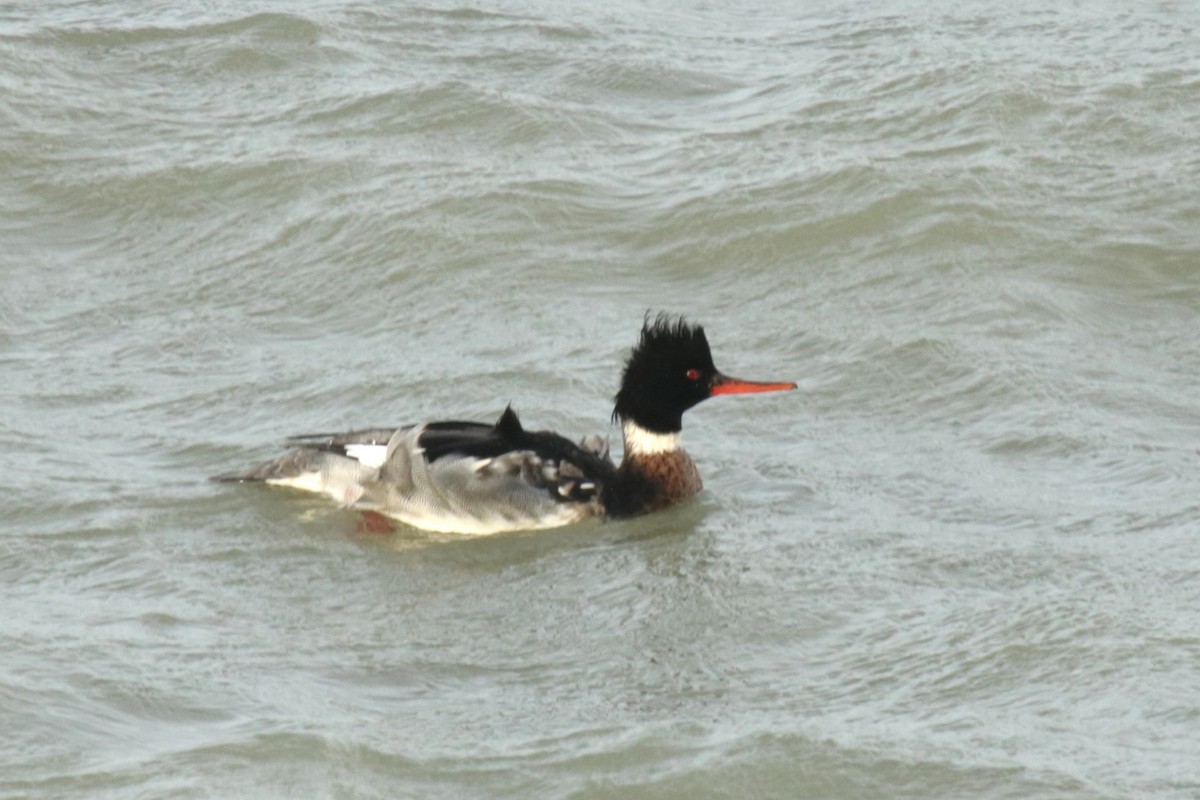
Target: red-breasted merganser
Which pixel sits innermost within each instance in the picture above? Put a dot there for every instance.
(474, 478)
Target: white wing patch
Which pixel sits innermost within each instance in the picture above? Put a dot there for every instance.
(369, 455)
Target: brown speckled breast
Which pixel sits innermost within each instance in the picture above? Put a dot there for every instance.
(672, 478)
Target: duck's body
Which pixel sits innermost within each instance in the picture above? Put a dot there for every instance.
(473, 478)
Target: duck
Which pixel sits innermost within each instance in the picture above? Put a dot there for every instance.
(478, 478)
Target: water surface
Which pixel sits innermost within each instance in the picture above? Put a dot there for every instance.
(961, 561)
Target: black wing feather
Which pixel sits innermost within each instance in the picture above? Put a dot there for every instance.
(507, 435)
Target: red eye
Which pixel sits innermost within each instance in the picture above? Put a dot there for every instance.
(693, 374)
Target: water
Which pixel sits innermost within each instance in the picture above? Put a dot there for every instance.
(961, 561)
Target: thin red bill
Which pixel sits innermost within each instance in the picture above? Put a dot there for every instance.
(727, 385)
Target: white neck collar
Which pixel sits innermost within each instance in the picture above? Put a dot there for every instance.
(641, 442)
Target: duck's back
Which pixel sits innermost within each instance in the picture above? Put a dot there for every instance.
(461, 477)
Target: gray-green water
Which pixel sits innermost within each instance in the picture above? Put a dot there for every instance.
(962, 561)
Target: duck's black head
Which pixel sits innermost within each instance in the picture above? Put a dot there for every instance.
(669, 371)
